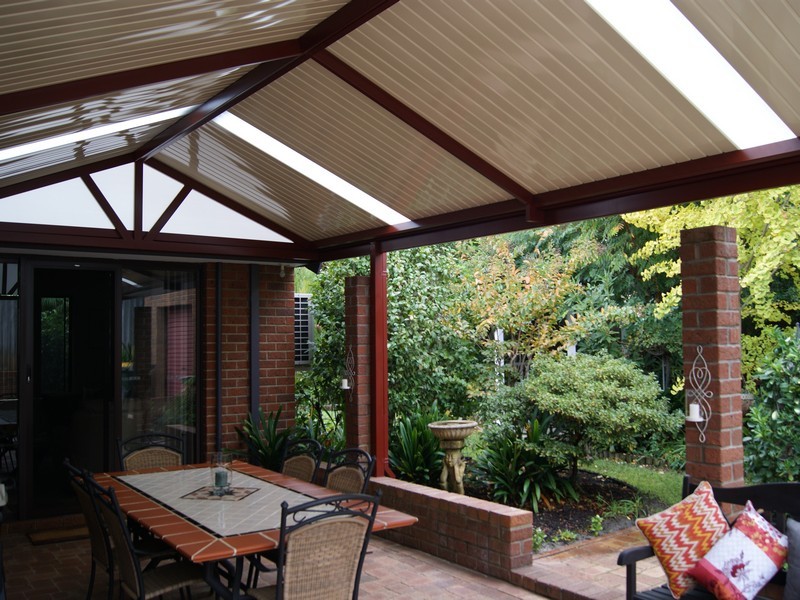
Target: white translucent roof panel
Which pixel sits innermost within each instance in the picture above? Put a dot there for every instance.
(116, 186)
(158, 191)
(545, 91)
(68, 204)
(200, 215)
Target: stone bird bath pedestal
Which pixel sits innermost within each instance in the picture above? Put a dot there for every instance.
(451, 436)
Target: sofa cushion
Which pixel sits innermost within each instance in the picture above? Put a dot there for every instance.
(683, 533)
(744, 559)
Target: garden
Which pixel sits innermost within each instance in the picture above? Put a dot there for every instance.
(564, 344)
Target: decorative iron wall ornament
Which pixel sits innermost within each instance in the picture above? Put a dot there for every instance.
(349, 372)
(698, 409)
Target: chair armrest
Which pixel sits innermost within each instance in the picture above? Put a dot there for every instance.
(629, 557)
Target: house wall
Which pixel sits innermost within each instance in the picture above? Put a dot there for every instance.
(275, 316)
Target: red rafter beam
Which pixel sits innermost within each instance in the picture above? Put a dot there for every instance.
(378, 95)
(100, 85)
(338, 25)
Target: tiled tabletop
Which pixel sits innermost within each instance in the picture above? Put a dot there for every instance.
(208, 530)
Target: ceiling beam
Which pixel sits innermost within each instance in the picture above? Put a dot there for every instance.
(103, 85)
(15, 236)
(411, 118)
(338, 25)
(228, 202)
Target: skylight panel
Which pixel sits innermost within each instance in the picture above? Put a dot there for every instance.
(294, 160)
(669, 42)
(89, 134)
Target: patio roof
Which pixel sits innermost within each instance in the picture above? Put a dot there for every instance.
(468, 118)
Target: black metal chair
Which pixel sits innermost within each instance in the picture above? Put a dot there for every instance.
(349, 471)
(301, 458)
(321, 548)
(149, 549)
(150, 450)
(135, 582)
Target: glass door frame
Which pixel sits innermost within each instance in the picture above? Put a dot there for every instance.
(26, 385)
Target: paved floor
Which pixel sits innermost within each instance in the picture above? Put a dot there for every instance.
(60, 571)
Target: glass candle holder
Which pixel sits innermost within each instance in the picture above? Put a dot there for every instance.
(221, 473)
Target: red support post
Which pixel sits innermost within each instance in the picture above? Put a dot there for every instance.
(379, 334)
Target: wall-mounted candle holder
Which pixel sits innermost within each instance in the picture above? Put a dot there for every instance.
(698, 408)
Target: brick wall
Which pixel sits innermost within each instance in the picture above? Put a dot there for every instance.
(712, 320)
(276, 347)
(477, 534)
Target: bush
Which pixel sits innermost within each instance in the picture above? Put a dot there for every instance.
(414, 452)
(773, 423)
(518, 469)
(598, 403)
(264, 442)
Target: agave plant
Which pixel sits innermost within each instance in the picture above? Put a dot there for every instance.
(265, 444)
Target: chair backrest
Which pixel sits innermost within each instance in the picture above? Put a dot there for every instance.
(322, 547)
(125, 558)
(150, 450)
(349, 471)
(301, 458)
(98, 538)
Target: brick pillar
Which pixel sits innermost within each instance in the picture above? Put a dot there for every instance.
(356, 325)
(712, 320)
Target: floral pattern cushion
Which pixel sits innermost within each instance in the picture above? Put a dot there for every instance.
(683, 533)
(744, 560)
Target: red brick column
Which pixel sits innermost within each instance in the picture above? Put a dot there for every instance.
(356, 325)
(712, 320)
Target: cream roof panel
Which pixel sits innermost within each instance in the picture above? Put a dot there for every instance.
(234, 168)
(49, 42)
(326, 120)
(760, 41)
(545, 91)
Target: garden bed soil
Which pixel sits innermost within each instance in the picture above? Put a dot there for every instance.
(571, 521)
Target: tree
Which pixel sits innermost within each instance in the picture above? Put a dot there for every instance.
(768, 241)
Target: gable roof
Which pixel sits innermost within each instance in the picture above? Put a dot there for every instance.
(469, 118)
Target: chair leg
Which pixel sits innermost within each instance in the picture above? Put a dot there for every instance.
(91, 581)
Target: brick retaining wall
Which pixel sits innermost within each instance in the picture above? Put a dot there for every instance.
(490, 538)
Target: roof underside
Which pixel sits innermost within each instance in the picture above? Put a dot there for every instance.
(469, 118)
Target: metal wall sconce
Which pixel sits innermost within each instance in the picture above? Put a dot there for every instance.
(698, 408)
(349, 372)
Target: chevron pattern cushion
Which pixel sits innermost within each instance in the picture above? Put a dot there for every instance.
(744, 559)
(683, 533)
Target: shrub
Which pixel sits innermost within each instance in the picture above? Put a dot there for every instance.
(518, 469)
(598, 402)
(414, 452)
(264, 442)
(773, 423)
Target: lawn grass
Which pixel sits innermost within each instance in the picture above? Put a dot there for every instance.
(663, 484)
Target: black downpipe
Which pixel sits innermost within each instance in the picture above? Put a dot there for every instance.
(255, 370)
(218, 357)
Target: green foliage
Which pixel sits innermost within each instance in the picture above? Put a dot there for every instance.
(414, 452)
(180, 409)
(264, 441)
(596, 525)
(630, 508)
(539, 538)
(565, 535)
(755, 348)
(773, 423)
(432, 356)
(664, 485)
(518, 468)
(598, 402)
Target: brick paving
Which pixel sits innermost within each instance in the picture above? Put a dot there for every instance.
(60, 571)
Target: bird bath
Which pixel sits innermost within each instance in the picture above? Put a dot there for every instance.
(451, 436)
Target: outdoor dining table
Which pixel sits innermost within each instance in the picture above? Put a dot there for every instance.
(178, 506)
